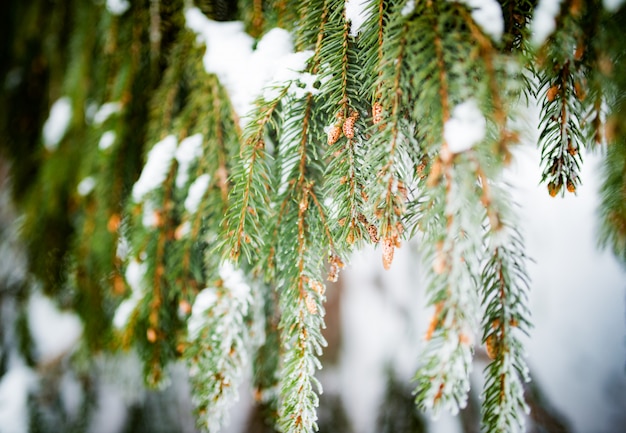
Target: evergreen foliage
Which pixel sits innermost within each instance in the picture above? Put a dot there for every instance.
(175, 225)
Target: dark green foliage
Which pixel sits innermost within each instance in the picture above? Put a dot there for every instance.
(398, 412)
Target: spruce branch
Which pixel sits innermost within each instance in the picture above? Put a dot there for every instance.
(504, 291)
(455, 199)
(613, 196)
(339, 95)
(219, 342)
(389, 142)
(563, 89)
(250, 177)
(504, 284)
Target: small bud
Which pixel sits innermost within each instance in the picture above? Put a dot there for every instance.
(377, 113)
(579, 91)
(350, 237)
(311, 306)
(439, 264)
(348, 127)
(435, 174)
(491, 345)
(552, 92)
(572, 150)
(554, 188)
(118, 285)
(184, 306)
(333, 134)
(388, 250)
(151, 335)
(114, 222)
(373, 233)
(571, 187)
(317, 287)
(465, 339)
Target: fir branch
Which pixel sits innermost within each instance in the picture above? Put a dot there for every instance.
(504, 289)
(301, 292)
(340, 93)
(218, 346)
(613, 200)
(248, 197)
(451, 215)
(312, 17)
(453, 203)
(562, 86)
(388, 176)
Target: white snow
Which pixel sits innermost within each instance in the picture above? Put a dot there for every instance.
(380, 329)
(57, 123)
(107, 140)
(117, 7)
(465, 128)
(15, 386)
(72, 394)
(105, 111)
(86, 185)
(188, 150)
(196, 192)
(544, 20)
(227, 55)
(135, 273)
(122, 248)
(156, 168)
(112, 411)
(409, 6)
(612, 5)
(243, 71)
(54, 332)
(149, 216)
(287, 70)
(204, 300)
(356, 13)
(488, 15)
(234, 280)
(306, 86)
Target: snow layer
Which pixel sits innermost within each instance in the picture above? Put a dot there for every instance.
(188, 150)
(57, 123)
(612, 5)
(488, 15)
(238, 292)
(156, 168)
(107, 140)
(135, 273)
(205, 300)
(544, 20)
(356, 13)
(105, 111)
(117, 7)
(14, 389)
(196, 192)
(243, 71)
(465, 128)
(54, 332)
(86, 186)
